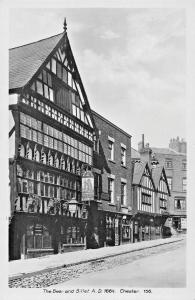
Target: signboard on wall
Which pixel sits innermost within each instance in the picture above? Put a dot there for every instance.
(88, 186)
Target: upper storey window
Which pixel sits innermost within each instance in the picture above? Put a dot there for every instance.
(123, 155)
(168, 164)
(111, 148)
(43, 85)
(184, 165)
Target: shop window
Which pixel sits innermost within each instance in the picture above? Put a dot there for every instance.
(73, 235)
(126, 232)
(38, 237)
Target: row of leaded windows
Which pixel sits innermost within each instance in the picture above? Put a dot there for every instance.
(47, 184)
(58, 116)
(54, 139)
(45, 190)
(46, 157)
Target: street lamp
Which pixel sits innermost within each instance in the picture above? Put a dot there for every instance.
(73, 206)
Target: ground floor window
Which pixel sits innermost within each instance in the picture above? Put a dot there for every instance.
(72, 234)
(110, 225)
(126, 232)
(38, 237)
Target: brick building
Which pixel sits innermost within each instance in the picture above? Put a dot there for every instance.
(112, 161)
(150, 193)
(175, 163)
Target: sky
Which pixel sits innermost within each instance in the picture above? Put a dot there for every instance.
(132, 62)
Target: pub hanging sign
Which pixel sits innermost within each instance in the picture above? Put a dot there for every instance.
(88, 186)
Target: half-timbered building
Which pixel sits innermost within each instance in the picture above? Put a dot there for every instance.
(144, 210)
(51, 143)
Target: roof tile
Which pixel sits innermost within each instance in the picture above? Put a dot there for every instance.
(25, 60)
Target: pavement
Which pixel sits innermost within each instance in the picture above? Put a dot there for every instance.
(22, 268)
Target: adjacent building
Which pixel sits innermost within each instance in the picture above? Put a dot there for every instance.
(174, 161)
(150, 193)
(112, 167)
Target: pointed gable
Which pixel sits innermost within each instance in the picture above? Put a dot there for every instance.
(48, 67)
(138, 172)
(142, 175)
(158, 173)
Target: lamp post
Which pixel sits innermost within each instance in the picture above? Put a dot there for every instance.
(73, 207)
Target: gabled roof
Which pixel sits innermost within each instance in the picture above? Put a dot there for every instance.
(156, 174)
(138, 172)
(24, 61)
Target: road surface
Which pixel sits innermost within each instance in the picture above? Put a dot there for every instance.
(157, 270)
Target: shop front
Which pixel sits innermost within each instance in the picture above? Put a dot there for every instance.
(147, 227)
(39, 235)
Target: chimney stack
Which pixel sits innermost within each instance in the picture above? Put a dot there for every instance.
(145, 151)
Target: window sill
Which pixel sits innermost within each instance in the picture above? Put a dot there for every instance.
(112, 161)
(124, 166)
(124, 206)
(111, 204)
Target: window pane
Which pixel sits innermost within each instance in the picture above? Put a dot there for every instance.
(49, 79)
(65, 76)
(44, 76)
(59, 70)
(46, 93)
(53, 65)
(39, 88)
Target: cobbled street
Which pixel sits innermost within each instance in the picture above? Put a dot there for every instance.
(80, 273)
